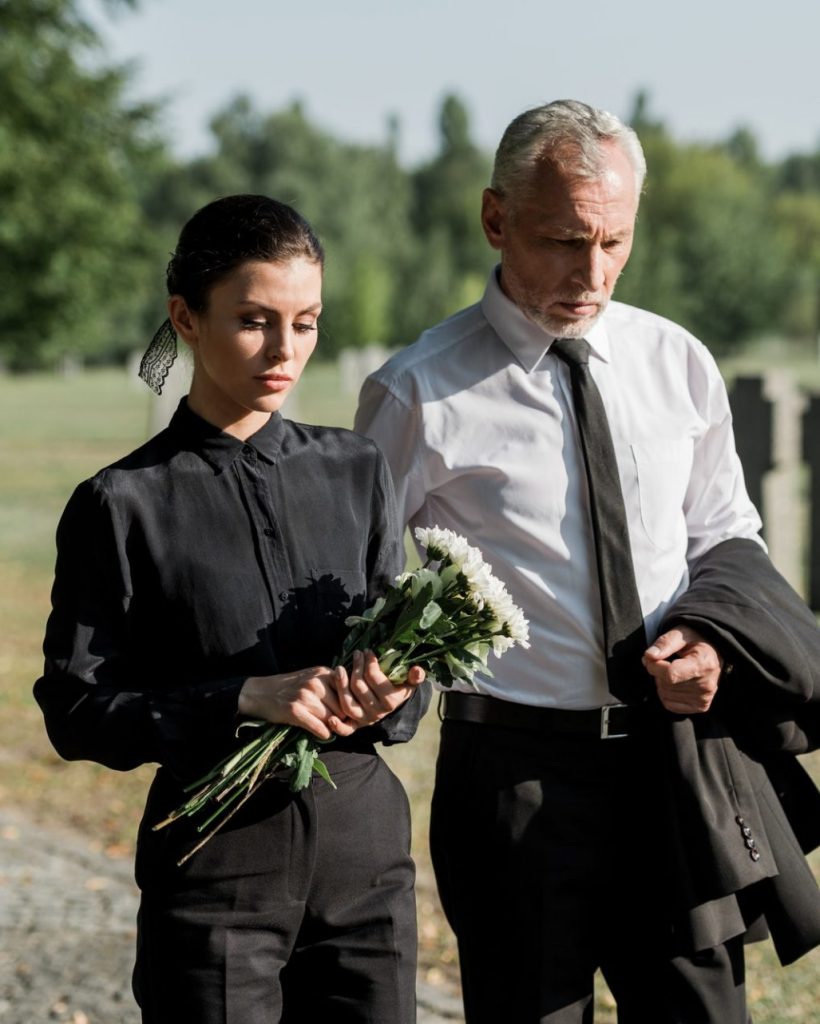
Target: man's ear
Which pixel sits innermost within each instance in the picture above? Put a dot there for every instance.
(493, 216)
(184, 320)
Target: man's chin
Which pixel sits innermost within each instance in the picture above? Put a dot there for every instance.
(562, 327)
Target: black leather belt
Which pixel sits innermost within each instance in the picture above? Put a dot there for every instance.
(614, 721)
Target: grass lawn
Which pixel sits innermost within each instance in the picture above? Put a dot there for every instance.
(55, 432)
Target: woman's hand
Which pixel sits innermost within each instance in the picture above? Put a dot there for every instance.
(366, 695)
(308, 698)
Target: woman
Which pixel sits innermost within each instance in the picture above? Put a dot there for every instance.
(205, 577)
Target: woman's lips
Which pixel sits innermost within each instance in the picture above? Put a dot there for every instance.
(275, 382)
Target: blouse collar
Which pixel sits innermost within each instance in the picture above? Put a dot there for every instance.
(220, 449)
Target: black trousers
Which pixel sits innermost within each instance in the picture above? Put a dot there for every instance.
(548, 852)
(302, 909)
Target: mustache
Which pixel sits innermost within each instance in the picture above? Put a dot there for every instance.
(584, 300)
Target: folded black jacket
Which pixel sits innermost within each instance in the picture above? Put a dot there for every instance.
(740, 810)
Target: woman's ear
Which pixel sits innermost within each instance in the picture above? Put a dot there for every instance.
(184, 320)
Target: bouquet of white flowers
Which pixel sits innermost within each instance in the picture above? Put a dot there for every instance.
(446, 616)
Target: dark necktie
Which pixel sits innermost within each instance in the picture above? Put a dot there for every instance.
(624, 636)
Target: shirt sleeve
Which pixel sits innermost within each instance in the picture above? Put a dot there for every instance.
(395, 427)
(717, 505)
(94, 707)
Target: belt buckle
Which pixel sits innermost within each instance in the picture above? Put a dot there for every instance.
(605, 732)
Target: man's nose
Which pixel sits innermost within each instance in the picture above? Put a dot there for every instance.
(590, 269)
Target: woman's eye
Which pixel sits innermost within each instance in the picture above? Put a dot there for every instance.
(304, 328)
(254, 325)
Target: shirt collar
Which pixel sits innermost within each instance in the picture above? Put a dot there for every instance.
(220, 449)
(526, 340)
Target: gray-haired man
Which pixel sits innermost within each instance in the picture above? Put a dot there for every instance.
(591, 812)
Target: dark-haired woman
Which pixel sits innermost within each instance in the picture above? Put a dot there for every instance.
(205, 577)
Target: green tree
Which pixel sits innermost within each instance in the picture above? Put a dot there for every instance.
(356, 197)
(707, 250)
(453, 258)
(798, 220)
(74, 255)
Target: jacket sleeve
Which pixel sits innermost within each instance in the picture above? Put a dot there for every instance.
(739, 602)
(94, 707)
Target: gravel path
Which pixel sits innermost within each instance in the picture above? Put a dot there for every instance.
(67, 933)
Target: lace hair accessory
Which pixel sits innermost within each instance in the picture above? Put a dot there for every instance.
(159, 357)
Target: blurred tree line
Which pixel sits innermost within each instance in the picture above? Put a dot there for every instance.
(93, 198)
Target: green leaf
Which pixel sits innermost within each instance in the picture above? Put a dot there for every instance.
(320, 768)
(304, 756)
(412, 613)
(430, 614)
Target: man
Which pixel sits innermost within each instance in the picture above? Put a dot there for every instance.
(570, 832)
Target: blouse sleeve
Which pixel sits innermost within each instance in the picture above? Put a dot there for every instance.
(386, 561)
(94, 707)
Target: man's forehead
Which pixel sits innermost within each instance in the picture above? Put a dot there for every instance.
(568, 210)
(566, 174)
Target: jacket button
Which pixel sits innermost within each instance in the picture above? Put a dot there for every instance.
(740, 821)
(754, 854)
(747, 831)
(750, 843)
(283, 595)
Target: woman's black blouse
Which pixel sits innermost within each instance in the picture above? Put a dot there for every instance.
(197, 561)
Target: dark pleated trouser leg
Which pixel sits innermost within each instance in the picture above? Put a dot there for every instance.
(548, 854)
(302, 909)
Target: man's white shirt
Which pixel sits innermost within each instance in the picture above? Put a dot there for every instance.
(476, 420)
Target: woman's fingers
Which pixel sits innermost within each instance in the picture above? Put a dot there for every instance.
(309, 698)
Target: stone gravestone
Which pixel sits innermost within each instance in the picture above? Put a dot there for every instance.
(811, 454)
(356, 363)
(752, 415)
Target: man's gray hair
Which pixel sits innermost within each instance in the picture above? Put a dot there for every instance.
(570, 134)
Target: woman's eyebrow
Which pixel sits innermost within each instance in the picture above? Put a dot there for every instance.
(277, 312)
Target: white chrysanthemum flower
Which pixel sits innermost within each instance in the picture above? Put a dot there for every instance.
(518, 628)
(457, 549)
(472, 563)
(501, 644)
(481, 584)
(498, 600)
(435, 541)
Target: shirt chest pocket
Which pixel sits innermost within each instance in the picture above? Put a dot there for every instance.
(662, 467)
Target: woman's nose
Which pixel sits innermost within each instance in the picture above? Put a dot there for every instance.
(279, 345)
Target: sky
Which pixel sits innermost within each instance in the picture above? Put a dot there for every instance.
(709, 66)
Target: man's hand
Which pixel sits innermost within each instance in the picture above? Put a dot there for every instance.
(686, 670)
(367, 695)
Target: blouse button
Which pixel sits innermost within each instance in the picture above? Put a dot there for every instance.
(269, 531)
